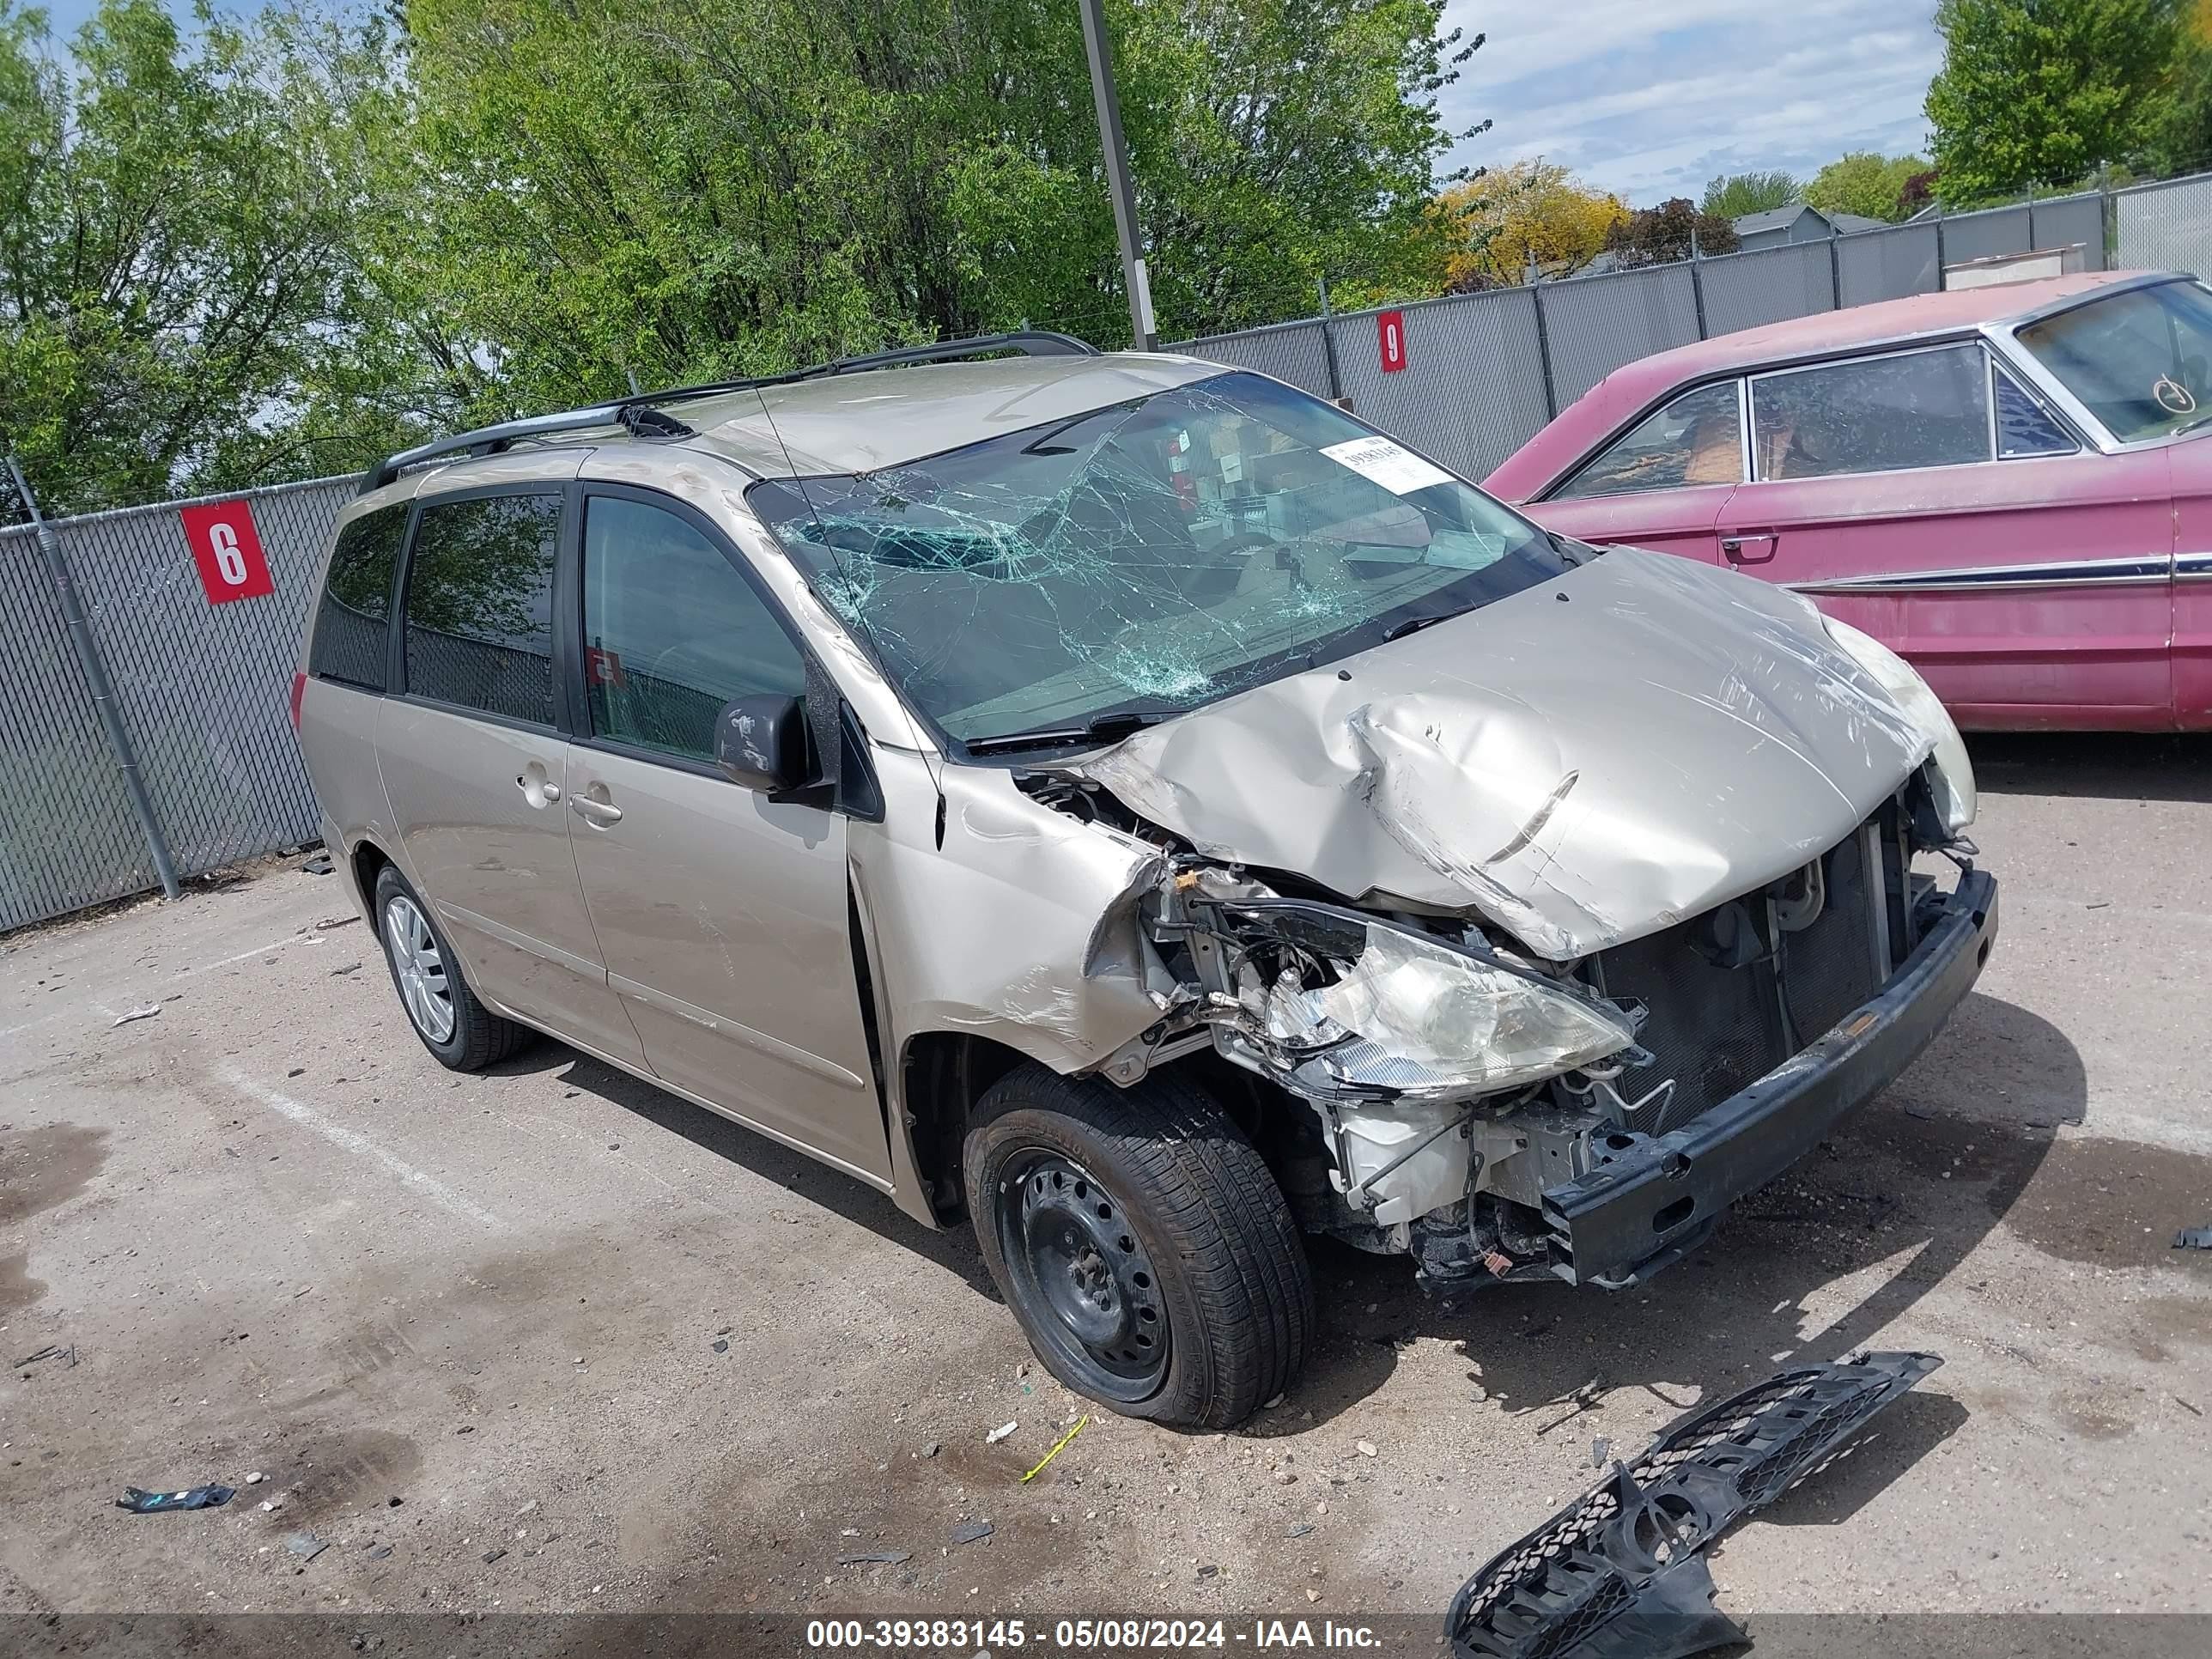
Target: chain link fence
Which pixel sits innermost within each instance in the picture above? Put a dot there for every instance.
(1484, 372)
(203, 689)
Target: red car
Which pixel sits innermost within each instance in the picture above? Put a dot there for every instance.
(2008, 486)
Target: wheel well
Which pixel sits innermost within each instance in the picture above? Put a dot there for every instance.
(368, 859)
(943, 1074)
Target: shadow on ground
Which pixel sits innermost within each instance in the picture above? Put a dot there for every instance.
(952, 1249)
(2097, 765)
(1913, 1183)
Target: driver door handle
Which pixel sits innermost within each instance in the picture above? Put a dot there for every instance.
(601, 812)
(1749, 546)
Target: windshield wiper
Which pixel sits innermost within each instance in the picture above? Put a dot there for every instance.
(1398, 630)
(1102, 728)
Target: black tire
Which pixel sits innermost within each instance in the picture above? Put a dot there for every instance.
(1157, 1185)
(478, 1037)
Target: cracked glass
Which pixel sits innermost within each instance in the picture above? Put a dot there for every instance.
(1145, 557)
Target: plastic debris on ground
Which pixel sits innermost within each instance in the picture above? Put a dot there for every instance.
(1000, 1433)
(969, 1532)
(305, 1545)
(2193, 1238)
(52, 1350)
(139, 1501)
(1621, 1570)
(318, 866)
(147, 1013)
(884, 1558)
(1057, 1446)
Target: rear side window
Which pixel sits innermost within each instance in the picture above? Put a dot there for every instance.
(480, 605)
(2026, 427)
(1873, 414)
(353, 623)
(1696, 440)
(671, 631)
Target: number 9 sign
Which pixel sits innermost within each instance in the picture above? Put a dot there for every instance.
(226, 547)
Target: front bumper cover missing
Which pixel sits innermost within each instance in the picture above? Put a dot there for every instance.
(1626, 1219)
(1619, 1573)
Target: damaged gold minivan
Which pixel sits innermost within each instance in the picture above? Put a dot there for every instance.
(1137, 806)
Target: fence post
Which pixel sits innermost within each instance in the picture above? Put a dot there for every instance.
(1835, 273)
(1328, 346)
(95, 679)
(1941, 258)
(1698, 286)
(1544, 352)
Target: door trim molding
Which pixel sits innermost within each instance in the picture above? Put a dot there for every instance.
(2058, 573)
(722, 1025)
(523, 942)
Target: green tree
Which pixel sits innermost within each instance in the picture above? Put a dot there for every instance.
(1863, 182)
(2043, 92)
(706, 188)
(172, 249)
(1735, 194)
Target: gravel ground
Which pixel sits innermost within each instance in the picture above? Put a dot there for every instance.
(546, 1339)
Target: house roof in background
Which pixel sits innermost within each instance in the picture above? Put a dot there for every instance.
(1781, 218)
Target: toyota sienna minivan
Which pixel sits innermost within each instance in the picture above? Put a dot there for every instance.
(1141, 809)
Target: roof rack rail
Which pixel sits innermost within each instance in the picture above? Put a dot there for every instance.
(492, 439)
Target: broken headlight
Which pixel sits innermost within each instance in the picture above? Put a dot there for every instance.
(1952, 773)
(1341, 1005)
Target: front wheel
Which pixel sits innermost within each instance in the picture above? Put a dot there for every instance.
(1142, 1244)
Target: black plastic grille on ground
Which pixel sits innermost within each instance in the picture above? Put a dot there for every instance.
(1618, 1571)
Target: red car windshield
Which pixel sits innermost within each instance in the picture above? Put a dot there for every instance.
(2141, 362)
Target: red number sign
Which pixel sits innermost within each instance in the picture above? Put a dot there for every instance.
(227, 549)
(1390, 336)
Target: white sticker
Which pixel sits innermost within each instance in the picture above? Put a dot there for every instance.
(1396, 468)
(1232, 468)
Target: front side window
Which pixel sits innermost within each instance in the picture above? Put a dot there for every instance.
(480, 605)
(1145, 558)
(1696, 440)
(671, 631)
(1873, 414)
(2140, 362)
(353, 620)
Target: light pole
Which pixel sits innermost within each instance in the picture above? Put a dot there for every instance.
(1100, 50)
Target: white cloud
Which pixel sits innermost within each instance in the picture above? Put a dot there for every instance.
(1651, 98)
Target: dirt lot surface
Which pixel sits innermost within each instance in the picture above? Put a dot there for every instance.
(547, 1340)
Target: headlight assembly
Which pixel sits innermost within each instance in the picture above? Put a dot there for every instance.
(1354, 1007)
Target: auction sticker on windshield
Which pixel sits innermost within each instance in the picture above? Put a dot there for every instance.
(1396, 468)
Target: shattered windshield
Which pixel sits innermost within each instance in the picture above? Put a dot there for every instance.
(1146, 558)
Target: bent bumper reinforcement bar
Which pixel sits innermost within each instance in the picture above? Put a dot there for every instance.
(1623, 1222)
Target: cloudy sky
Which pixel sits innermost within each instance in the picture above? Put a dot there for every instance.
(1652, 97)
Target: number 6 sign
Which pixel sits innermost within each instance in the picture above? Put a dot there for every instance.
(227, 549)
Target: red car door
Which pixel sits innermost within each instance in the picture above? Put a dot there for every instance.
(2032, 591)
(1662, 484)
(2191, 461)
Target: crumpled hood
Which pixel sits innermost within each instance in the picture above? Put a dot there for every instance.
(1582, 762)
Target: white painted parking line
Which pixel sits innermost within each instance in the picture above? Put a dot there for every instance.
(339, 1135)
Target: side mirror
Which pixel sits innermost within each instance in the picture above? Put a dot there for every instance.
(760, 742)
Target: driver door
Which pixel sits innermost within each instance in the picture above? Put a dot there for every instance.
(721, 915)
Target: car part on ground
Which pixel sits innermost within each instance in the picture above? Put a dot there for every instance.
(1621, 1571)
(139, 1501)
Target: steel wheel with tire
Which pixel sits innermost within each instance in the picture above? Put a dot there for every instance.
(1141, 1242)
(459, 1030)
